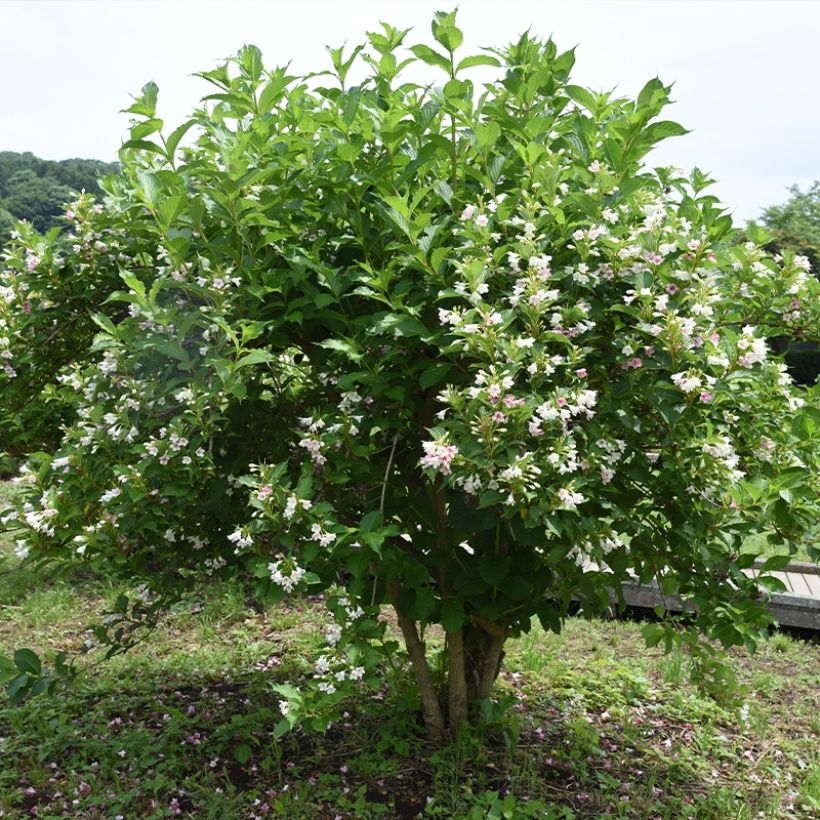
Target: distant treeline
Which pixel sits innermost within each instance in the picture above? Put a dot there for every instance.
(36, 189)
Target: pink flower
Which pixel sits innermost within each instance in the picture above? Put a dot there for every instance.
(498, 416)
(69, 215)
(482, 221)
(636, 363)
(468, 212)
(714, 338)
(438, 456)
(671, 289)
(650, 350)
(264, 492)
(561, 401)
(581, 372)
(706, 397)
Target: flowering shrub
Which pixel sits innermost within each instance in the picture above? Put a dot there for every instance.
(49, 287)
(459, 354)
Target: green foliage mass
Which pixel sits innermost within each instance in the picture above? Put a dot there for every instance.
(452, 350)
(796, 223)
(36, 190)
(795, 226)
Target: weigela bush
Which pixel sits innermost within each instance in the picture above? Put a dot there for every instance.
(447, 348)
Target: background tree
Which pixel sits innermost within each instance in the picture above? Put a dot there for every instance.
(461, 355)
(795, 226)
(7, 222)
(36, 190)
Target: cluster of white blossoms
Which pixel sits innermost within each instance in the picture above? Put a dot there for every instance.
(590, 550)
(692, 381)
(5, 353)
(293, 504)
(241, 539)
(321, 535)
(722, 450)
(286, 573)
(569, 499)
(754, 349)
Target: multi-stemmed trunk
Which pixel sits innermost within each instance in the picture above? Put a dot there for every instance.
(474, 654)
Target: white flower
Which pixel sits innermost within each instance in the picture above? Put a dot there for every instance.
(569, 499)
(241, 538)
(467, 548)
(686, 382)
(288, 582)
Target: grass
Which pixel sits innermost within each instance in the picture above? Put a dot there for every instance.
(760, 545)
(597, 726)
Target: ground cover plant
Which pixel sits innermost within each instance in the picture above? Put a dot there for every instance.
(595, 724)
(457, 355)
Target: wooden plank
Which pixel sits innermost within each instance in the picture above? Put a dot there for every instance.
(799, 607)
(805, 567)
(795, 610)
(799, 584)
(813, 582)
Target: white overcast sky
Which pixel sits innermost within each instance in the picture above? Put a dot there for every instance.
(746, 73)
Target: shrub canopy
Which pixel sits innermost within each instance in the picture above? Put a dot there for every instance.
(450, 348)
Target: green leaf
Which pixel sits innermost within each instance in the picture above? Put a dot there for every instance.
(653, 634)
(493, 568)
(273, 91)
(487, 135)
(582, 96)
(146, 104)
(427, 55)
(282, 728)
(242, 753)
(146, 128)
(151, 186)
(172, 349)
(658, 131)
(104, 323)
(258, 356)
(399, 325)
(16, 690)
(442, 188)
(370, 521)
(348, 347)
(452, 616)
(476, 60)
(172, 141)
(169, 209)
(434, 374)
(445, 31)
(26, 661)
(775, 563)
